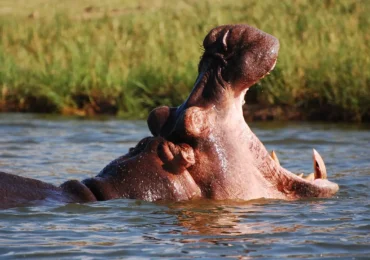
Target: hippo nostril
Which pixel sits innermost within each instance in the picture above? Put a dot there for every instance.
(164, 152)
(217, 56)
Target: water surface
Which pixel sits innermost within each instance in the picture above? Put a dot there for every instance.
(54, 149)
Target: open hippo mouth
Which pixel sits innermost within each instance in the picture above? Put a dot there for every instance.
(230, 162)
(201, 149)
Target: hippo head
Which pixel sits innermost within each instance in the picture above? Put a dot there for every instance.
(229, 160)
(155, 169)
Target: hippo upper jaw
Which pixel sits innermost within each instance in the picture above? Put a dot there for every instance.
(241, 54)
(234, 58)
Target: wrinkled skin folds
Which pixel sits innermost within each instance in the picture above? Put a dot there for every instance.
(200, 149)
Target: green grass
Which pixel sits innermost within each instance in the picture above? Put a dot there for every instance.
(127, 57)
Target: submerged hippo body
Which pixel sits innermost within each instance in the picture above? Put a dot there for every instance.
(17, 190)
(201, 149)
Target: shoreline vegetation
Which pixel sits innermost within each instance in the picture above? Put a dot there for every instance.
(126, 57)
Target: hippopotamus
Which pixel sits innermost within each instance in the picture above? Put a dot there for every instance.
(200, 149)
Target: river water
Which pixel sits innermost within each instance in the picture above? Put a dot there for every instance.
(54, 149)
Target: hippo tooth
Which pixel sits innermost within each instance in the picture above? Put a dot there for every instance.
(273, 66)
(300, 175)
(224, 40)
(318, 166)
(274, 157)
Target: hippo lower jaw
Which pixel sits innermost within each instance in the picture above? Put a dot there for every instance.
(290, 185)
(275, 178)
(249, 171)
(295, 186)
(251, 160)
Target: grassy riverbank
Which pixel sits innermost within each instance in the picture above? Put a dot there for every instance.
(126, 57)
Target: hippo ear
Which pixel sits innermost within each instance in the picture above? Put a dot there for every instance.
(194, 122)
(158, 118)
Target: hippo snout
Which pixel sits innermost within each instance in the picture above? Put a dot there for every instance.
(243, 53)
